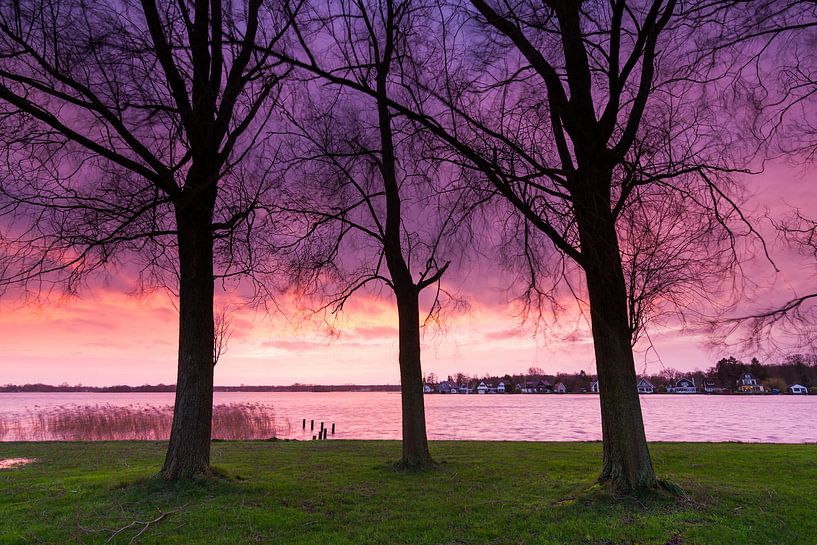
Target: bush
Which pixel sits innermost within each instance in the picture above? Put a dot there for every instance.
(775, 384)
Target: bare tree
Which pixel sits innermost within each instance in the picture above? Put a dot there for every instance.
(780, 327)
(383, 209)
(127, 128)
(778, 86)
(573, 112)
(679, 261)
(223, 328)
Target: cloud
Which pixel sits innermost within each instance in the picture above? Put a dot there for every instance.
(109, 335)
(504, 334)
(375, 332)
(295, 346)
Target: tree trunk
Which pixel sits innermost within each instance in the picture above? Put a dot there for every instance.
(415, 442)
(188, 453)
(626, 465)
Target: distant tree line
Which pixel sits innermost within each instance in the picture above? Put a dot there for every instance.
(794, 369)
(123, 388)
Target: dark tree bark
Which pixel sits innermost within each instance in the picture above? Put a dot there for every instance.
(415, 442)
(188, 452)
(626, 457)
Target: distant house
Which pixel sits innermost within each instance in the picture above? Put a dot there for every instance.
(544, 387)
(560, 388)
(500, 388)
(645, 387)
(594, 386)
(747, 384)
(427, 389)
(448, 387)
(710, 387)
(486, 388)
(683, 386)
(797, 389)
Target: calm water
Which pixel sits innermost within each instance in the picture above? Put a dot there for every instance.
(774, 419)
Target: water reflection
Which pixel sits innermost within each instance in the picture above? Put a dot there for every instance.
(778, 419)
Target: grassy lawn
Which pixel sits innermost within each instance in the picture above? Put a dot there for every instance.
(346, 492)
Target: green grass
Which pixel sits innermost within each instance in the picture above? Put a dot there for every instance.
(347, 492)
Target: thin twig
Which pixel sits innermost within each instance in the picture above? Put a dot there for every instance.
(145, 525)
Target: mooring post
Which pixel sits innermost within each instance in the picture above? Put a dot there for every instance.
(311, 425)
(333, 428)
(304, 423)
(313, 437)
(321, 432)
(325, 431)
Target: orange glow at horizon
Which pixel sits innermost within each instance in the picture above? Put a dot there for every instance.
(107, 336)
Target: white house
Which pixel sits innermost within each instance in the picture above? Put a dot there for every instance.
(560, 388)
(710, 387)
(798, 389)
(749, 385)
(645, 387)
(683, 386)
(500, 388)
(482, 388)
(594, 387)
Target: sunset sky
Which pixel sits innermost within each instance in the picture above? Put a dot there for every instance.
(106, 335)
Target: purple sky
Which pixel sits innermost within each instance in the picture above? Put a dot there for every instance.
(108, 336)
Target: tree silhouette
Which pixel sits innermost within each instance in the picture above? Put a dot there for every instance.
(383, 208)
(127, 131)
(574, 113)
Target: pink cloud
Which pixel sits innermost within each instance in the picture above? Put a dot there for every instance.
(109, 335)
(501, 335)
(375, 332)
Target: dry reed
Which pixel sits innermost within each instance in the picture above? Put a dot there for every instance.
(233, 421)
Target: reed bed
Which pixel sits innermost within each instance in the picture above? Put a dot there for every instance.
(234, 421)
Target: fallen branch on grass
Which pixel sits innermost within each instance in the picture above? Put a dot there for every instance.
(145, 525)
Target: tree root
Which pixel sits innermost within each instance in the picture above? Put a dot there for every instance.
(672, 488)
(656, 488)
(414, 466)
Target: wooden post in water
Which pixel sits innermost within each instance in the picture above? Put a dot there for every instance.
(325, 431)
(313, 438)
(321, 432)
(311, 425)
(333, 428)
(304, 423)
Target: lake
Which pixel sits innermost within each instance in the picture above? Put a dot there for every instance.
(568, 417)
